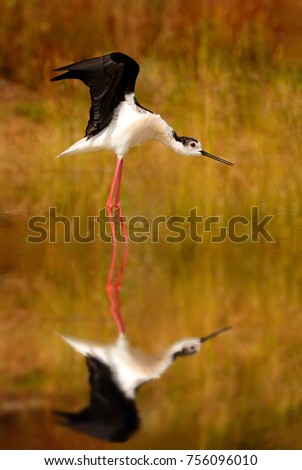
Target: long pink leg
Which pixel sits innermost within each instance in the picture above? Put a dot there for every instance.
(119, 278)
(109, 205)
(117, 204)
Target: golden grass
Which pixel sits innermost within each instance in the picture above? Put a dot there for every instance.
(223, 74)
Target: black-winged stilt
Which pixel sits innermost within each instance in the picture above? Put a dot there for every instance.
(116, 371)
(117, 121)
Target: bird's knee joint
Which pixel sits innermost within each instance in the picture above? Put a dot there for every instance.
(109, 206)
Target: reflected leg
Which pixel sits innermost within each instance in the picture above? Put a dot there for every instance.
(113, 290)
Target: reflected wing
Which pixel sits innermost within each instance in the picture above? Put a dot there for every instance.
(109, 78)
(110, 415)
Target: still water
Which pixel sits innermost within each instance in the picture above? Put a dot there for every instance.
(242, 390)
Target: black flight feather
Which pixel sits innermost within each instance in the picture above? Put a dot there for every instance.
(110, 415)
(109, 79)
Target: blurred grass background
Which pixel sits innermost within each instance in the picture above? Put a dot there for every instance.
(228, 73)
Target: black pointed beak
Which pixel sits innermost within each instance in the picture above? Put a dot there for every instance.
(218, 159)
(212, 335)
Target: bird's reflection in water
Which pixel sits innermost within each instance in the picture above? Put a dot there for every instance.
(117, 370)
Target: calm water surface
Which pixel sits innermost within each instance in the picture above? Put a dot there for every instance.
(241, 391)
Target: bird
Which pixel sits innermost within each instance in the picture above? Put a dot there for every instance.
(116, 372)
(118, 122)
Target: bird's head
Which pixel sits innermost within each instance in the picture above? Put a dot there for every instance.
(189, 346)
(189, 146)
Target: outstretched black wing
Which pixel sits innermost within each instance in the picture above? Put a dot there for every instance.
(110, 415)
(109, 79)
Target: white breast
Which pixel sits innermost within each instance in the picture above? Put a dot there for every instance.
(129, 127)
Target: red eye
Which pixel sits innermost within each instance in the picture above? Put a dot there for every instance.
(192, 144)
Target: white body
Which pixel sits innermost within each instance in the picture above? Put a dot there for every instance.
(131, 125)
(129, 366)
